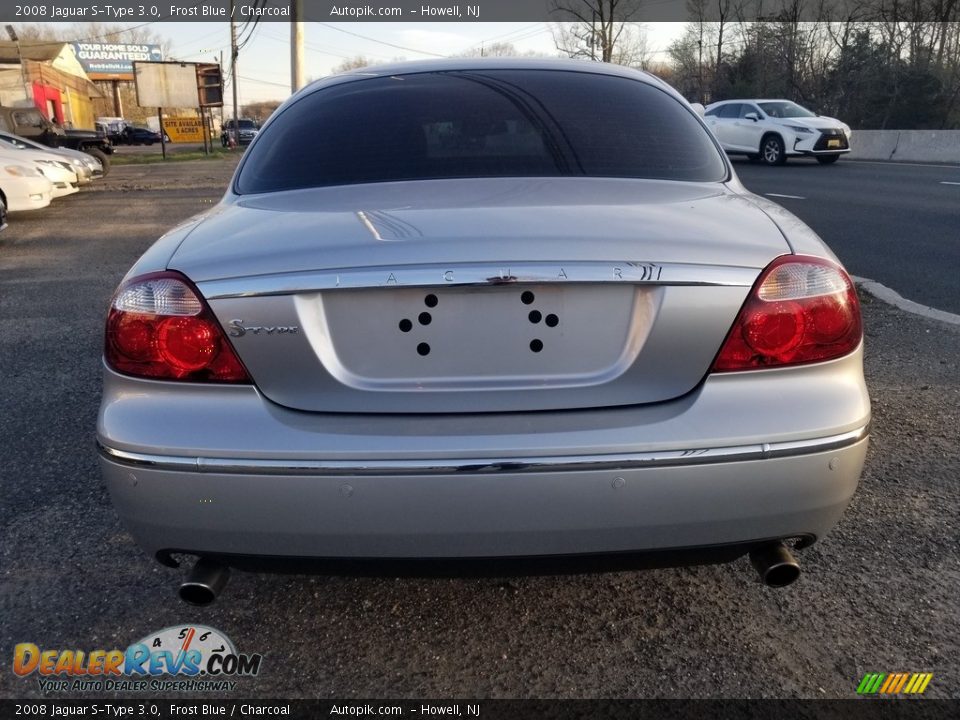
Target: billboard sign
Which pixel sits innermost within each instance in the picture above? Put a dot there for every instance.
(167, 84)
(113, 61)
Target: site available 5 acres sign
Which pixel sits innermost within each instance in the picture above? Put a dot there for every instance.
(184, 129)
(113, 61)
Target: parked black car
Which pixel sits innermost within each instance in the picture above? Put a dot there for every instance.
(135, 135)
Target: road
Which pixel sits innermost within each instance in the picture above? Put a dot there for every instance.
(880, 594)
(894, 223)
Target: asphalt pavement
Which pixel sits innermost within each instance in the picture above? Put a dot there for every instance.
(895, 223)
(879, 594)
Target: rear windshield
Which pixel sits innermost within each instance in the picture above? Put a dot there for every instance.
(474, 124)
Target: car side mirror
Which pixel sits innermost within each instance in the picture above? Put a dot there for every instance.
(752, 116)
(698, 108)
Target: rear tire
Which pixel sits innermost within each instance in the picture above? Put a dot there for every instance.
(102, 157)
(827, 159)
(772, 151)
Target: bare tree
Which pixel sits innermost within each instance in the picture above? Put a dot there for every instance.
(876, 63)
(353, 63)
(499, 49)
(260, 110)
(593, 28)
(98, 32)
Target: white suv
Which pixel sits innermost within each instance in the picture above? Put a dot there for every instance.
(773, 130)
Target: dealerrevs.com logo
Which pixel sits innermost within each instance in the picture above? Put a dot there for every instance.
(177, 659)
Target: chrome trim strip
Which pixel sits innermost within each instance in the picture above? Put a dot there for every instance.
(480, 274)
(560, 463)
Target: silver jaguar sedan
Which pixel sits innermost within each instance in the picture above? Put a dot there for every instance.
(479, 310)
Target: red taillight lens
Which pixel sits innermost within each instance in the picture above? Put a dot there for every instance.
(159, 327)
(801, 310)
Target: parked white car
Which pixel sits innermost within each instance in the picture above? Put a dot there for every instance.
(56, 168)
(773, 130)
(22, 187)
(87, 167)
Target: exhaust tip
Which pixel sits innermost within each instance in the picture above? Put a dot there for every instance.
(775, 564)
(205, 582)
(196, 594)
(781, 575)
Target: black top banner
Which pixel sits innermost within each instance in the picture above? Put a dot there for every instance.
(598, 11)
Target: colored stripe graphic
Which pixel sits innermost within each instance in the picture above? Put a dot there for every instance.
(870, 683)
(888, 683)
(894, 683)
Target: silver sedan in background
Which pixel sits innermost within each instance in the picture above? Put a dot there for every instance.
(483, 309)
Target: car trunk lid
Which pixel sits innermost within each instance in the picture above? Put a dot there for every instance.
(480, 295)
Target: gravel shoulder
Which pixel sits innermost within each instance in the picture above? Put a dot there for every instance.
(880, 594)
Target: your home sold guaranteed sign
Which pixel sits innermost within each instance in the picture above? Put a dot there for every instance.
(188, 658)
(113, 61)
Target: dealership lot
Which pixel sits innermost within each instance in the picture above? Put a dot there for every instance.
(878, 595)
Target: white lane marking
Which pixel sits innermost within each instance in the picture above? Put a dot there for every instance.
(892, 297)
(896, 162)
(792, 197)
(945, 182)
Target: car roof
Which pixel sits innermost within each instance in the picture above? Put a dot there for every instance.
(748, 100)
(487, 63)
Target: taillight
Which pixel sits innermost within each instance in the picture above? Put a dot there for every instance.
(801, 310)
(160, 327)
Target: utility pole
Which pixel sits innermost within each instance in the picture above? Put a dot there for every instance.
(233, 74)
(23, 67)
(296, 45)
(117, 101)
(220, 62)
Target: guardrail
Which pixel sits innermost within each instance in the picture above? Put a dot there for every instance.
(933, 146)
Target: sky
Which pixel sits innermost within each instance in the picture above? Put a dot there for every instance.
(264, 61)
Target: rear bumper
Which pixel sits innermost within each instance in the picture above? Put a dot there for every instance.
(466, 510)
(219, 470)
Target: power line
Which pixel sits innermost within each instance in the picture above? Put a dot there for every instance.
(241, 43)
(116, 32)
(381, 42)
(505, 35)
(264, 82)
(201, 39)
(323, 50)
(119, 32)
(309, 46)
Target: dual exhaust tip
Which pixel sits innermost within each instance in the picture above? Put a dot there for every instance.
(205, 582)
(773, 562)
(775, 565)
